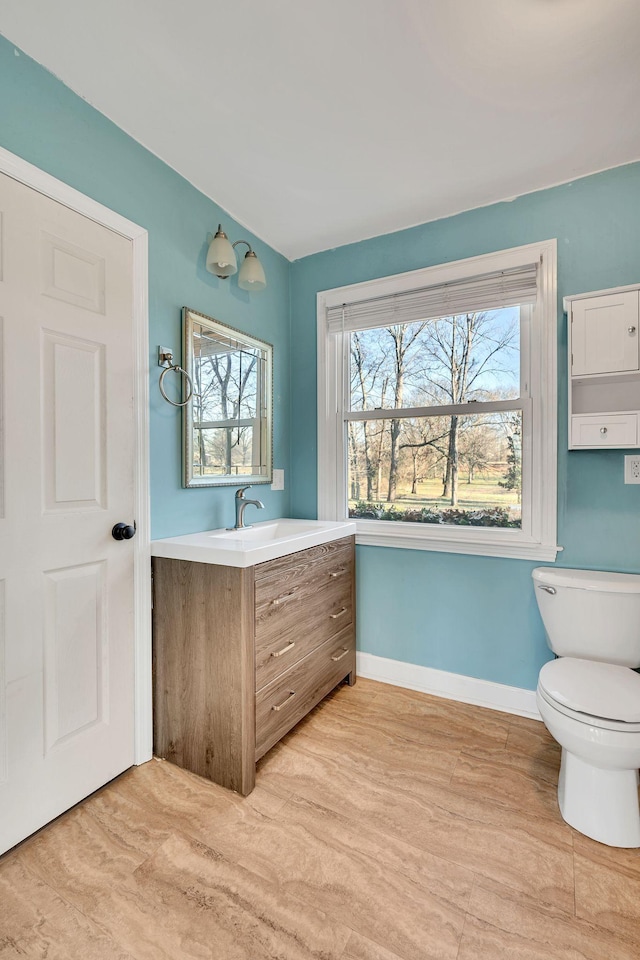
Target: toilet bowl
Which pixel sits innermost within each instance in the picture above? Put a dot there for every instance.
(589, 698)
(598, 783)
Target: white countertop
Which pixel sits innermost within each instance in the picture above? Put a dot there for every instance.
(256, 544)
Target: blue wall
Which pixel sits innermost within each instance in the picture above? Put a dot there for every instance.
(42, 121)
(475, 615)
(470, 615)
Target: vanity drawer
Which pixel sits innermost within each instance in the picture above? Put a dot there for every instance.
(605, 430)
(293, 624)
(306, 604)
(318, 562)
(281, 704)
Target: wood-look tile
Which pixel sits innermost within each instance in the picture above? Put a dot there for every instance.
(42, 924)
(348, 872)
(358, 843)
(509, 780)
(199, 903)
(500, 927)
(608, 887)
(527, 723)
(532, 853)
(531, 738)
(153, 801)
(79, 858)
(10, 950)
(186, 898)
(362, 948)
(359, 697)
(437, 716)
(380, 748)
(296, 767)
(418, 719)
(439, 878)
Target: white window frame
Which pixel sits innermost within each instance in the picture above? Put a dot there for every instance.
(537, 538)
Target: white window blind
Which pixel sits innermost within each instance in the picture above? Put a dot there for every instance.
(491, 291)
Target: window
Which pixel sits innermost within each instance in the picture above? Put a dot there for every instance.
(437, 406)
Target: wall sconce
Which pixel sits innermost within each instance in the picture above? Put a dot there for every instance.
(221, 261)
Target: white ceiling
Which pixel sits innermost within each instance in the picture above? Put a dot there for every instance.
(320, 122)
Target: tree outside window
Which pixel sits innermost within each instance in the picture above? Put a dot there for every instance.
(410, 438)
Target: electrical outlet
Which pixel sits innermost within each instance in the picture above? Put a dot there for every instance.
(632, 469)
(278, 479)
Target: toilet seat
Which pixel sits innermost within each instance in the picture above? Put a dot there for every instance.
(600, 694)
(581, 717)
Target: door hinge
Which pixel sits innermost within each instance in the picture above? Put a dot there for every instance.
(152, 588)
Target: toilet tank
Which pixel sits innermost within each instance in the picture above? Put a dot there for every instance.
(590, 614)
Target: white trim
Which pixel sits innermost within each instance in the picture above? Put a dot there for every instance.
(451, 686)
(610, 291)
(537, 539)
(19, 169)
(476, 541)
(430, 276)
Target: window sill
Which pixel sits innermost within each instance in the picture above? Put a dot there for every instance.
(475, 542)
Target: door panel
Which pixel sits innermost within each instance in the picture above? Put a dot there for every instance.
(76, 655)
(74, 405)
(69, 443)
(72, 274)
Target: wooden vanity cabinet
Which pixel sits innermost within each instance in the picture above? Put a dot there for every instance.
(241, 655)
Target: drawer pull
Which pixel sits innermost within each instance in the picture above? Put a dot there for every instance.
(283, 599)
(603, 430)
(279, 706)
(341, 655)
(340, 613)
(337, 573)
(632, 330)
(289, 646)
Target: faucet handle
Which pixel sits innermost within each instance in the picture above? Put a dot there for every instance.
(240, 492)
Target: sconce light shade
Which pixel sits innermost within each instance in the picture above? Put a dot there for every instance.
(251, 276)
(221, 257)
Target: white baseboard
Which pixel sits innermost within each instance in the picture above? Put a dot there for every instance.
(451, 686)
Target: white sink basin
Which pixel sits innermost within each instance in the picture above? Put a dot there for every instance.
(256, 544)
(270, 530)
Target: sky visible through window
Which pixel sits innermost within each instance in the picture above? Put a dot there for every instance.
(461, 469)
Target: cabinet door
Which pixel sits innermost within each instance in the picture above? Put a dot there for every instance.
(604, 334)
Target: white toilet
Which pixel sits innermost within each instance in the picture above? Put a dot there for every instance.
(589, 698)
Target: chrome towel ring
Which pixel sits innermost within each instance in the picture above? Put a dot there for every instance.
(165, 359)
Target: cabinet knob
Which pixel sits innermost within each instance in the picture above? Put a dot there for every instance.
(631, 330)
(603, 430)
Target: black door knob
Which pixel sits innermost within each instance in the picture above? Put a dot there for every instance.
(123, 531)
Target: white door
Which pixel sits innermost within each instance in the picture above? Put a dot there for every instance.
(66, 477)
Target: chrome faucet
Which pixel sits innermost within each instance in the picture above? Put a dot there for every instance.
(241, 506)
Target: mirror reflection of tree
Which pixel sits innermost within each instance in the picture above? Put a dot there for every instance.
(226, 408)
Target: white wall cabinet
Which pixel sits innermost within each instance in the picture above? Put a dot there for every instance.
(604, 369)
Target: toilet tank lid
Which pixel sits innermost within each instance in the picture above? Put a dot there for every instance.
(601, 689)
(600, 580)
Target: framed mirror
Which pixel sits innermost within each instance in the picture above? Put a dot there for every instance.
(228, 421)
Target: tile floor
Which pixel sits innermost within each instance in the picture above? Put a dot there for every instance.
(389, 825)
